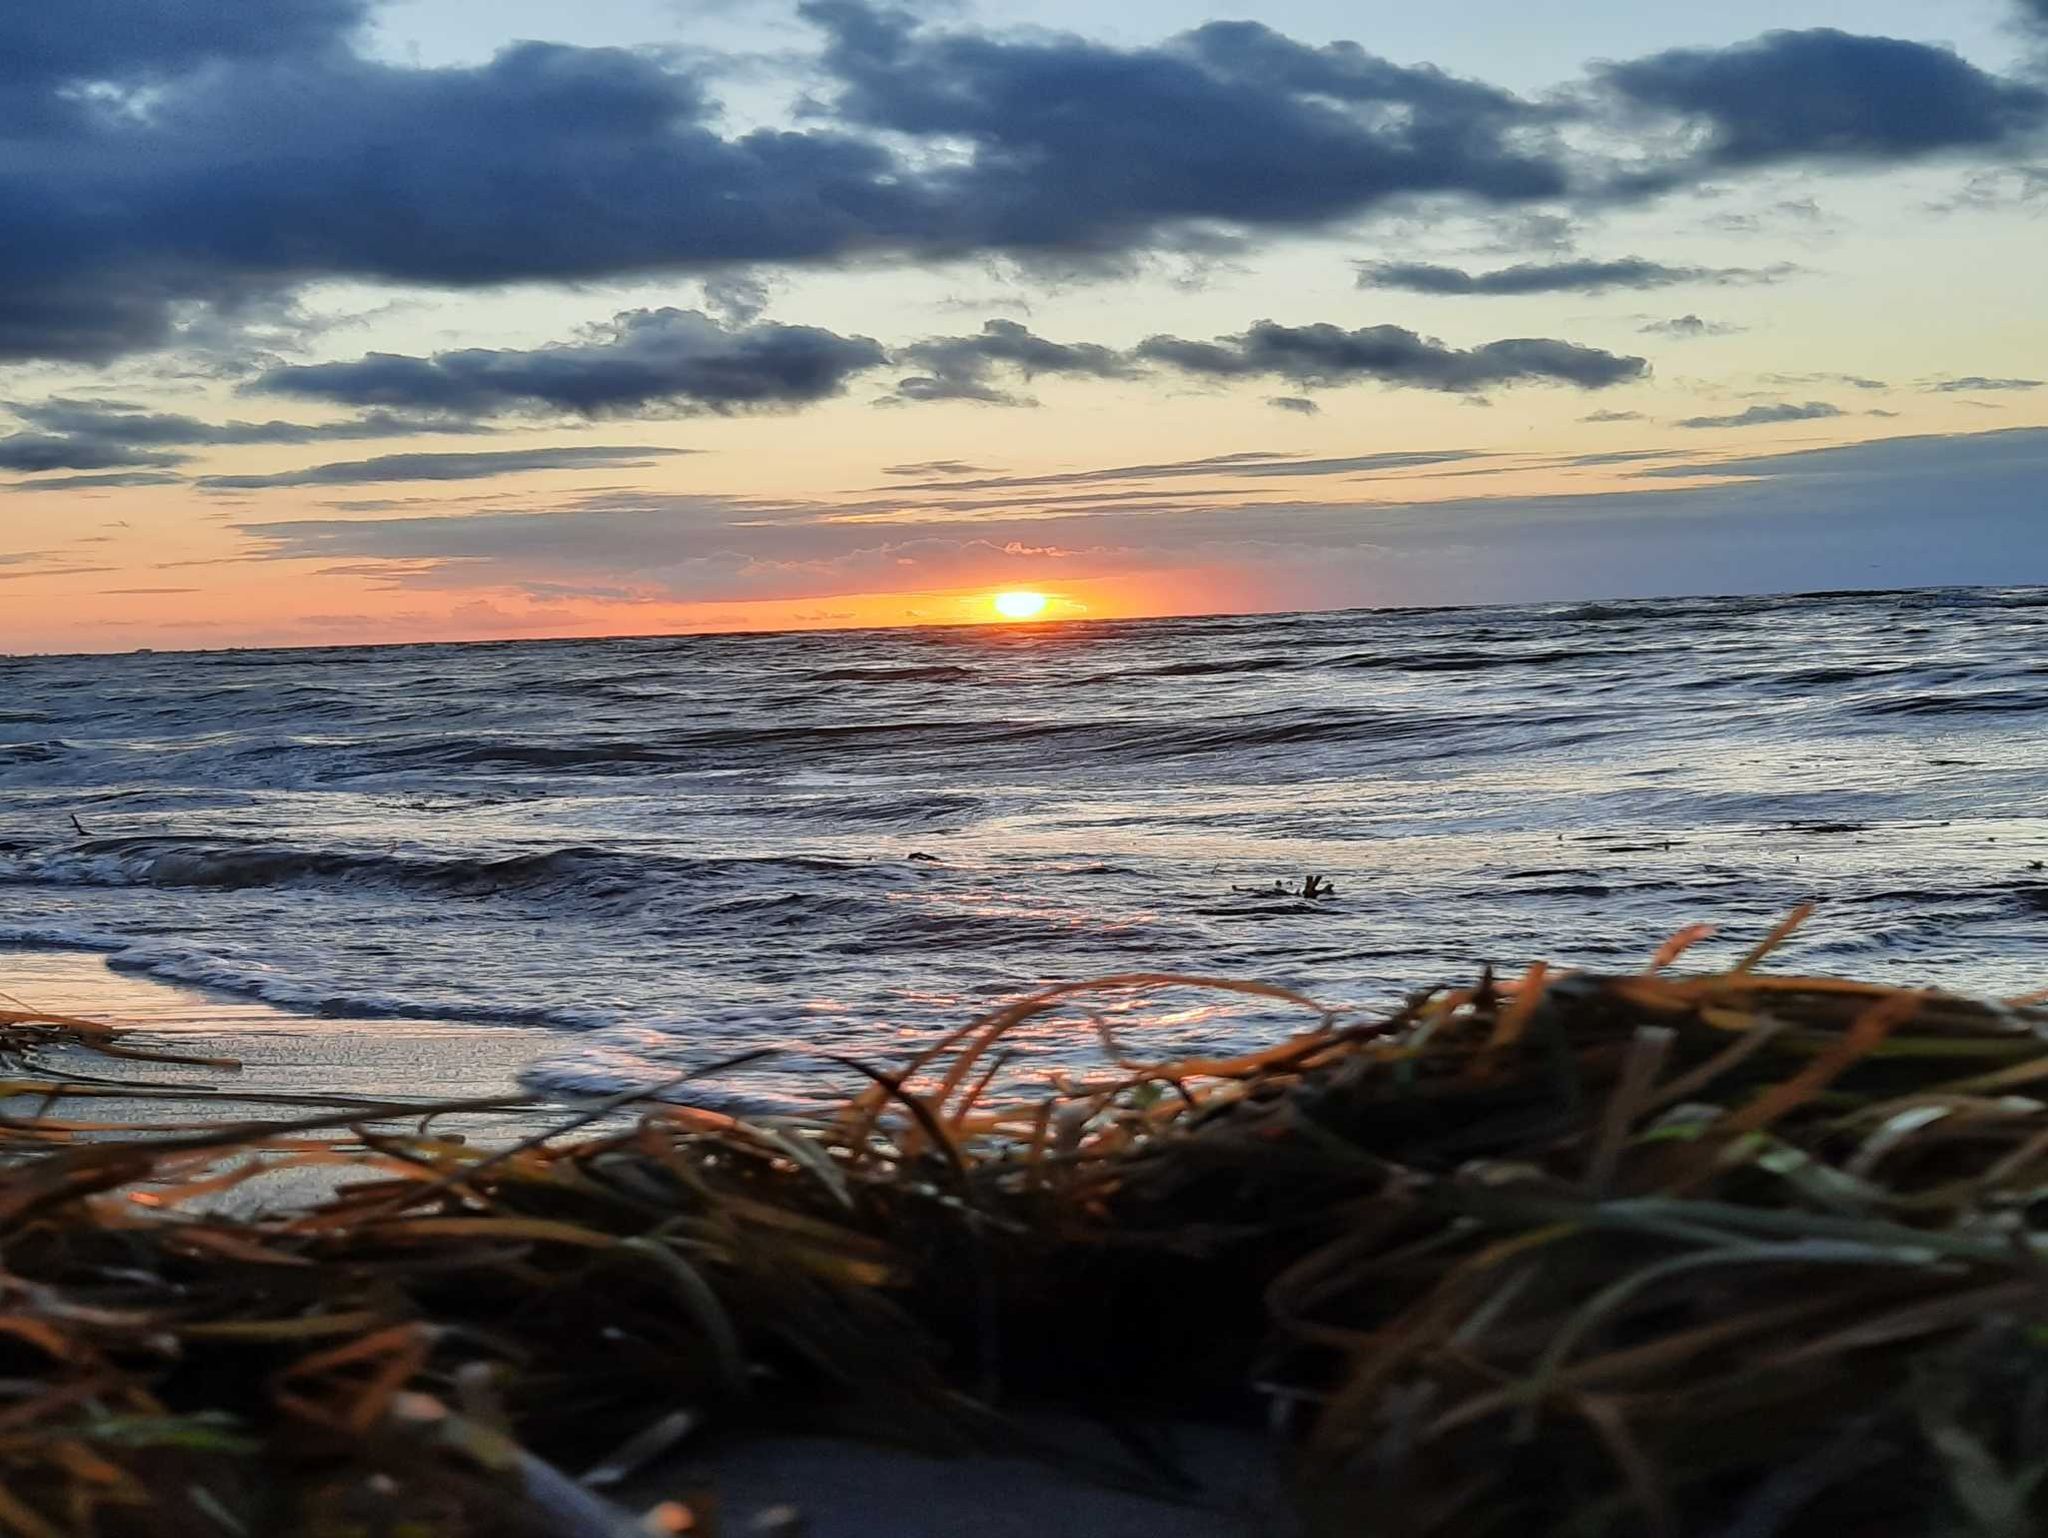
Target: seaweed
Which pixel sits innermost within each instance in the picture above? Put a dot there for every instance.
(1735, 1253)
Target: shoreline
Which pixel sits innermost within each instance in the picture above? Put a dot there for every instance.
(290, 1065)
(281, 1052)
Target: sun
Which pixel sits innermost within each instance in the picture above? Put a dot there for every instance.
(1021, 605)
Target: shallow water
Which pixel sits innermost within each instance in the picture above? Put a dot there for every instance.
(676, 849)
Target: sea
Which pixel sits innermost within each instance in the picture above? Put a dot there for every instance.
(673, 850)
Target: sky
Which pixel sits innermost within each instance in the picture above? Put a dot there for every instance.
(337, 321)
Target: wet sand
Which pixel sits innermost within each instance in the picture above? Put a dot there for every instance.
(291, 1066)
(280, 1053)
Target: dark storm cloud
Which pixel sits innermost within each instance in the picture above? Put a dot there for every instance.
(251, 176)
(1078, 145)
(1326, 355)
(271, 153)
(1300, 405)
(640, 361)
(94, 40)
(963, 368)
(32, 452)
(1765, 416)
(1977, 383)
(1828, 94)
(1581, 276)
(446, 467)
(176, 169)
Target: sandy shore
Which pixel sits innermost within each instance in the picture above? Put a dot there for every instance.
(280, 1053)
(291, 1066)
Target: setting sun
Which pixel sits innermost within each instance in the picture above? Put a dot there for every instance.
(1020, 605)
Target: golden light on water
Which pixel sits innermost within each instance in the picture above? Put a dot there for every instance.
(1021, 605)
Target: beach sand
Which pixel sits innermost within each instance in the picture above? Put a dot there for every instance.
(280, 1053)
(292, 1066)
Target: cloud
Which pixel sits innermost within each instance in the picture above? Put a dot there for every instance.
(928, 467)
(1300, 405)
(1854, 514)
(32, 452)
(675, 552)
(114, 481)
(737, 298)
(1919, 458)
(73, 434)
(1765, 416)
(167, 160)
(1854, 381)
(1688, 328)
(650, 362)
(962, 368)
(1255, 464)
(1615, 416)
(1988, 191)
(1076, 145)
(84, 41)
(1826, 94)
(1978, 384)
(639, 362)
(447, 467)
(120, 423)
(52, 571)
(1326, 355)
(248, 177)
(1583, 276)
(1614, 457)
(176, 171)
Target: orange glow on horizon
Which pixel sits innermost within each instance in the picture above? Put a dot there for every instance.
(1021, 604)
(290, 604)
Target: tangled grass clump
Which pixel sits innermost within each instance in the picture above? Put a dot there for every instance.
(1738, 1253)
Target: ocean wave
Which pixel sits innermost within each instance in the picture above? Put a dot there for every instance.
(1990, 702)
(1594, 613)
(694, 845)
(1821, 677)
(311, 995)
(939, 674)
(1489, 661)
(920, 809)
(1221, 667)
(201, 863)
